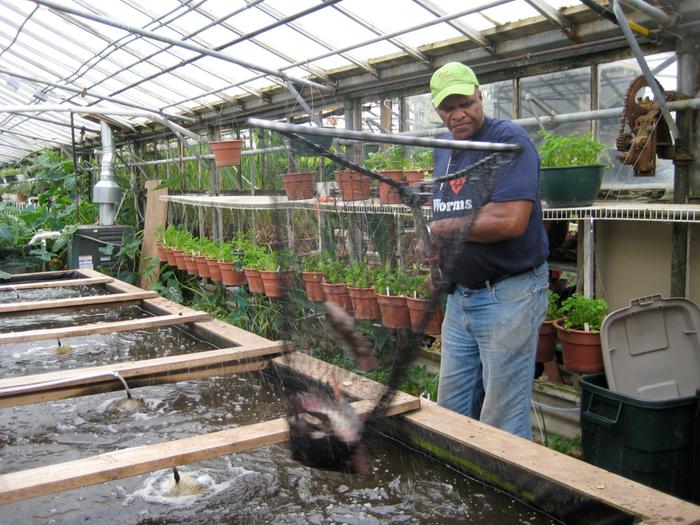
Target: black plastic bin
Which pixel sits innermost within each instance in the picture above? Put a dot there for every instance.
(651, 442)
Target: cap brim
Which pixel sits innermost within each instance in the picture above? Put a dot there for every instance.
(455, 89)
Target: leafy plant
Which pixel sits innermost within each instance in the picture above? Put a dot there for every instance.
(392, 158)
(316, 261)
(359, 275)
(397, 282)
(552, 306)
(573, 149)
(580, 311)
(422, 159)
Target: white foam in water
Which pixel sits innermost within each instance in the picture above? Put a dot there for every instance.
(160, 488)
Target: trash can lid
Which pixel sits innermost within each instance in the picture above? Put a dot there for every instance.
(651, 349)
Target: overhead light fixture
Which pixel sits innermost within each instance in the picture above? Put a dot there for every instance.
(13, 82)
(41, 96)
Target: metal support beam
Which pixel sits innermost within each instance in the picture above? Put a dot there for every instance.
(588, 257)
(654, 12)
(179, 43)
(553, 16)
(314, 118)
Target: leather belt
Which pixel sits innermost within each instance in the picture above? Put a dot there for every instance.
(490, 282)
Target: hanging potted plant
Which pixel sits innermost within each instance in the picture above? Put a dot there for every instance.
(312, 275)
(210, 250)
(547, 340)
(419, 306)
(226, 152)
(389, 162)
(353, 185)
(229, 261)
(391, 289)
(571, 172)
(359, 279)
(255, 257)
(579, 333)
(334, 286)
(277, 272)
(299, 185)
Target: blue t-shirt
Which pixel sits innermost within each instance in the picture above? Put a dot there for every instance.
(519, 180)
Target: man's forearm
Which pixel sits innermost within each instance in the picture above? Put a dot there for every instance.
(496, 221)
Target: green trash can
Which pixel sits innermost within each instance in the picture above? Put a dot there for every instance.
(651, 442)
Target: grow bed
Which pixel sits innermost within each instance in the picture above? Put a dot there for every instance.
(256, 486)
(570, 490)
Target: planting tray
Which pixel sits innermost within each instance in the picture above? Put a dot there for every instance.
(651, 349)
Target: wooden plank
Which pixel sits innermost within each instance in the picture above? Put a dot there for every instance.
(561, 469)
(155, 219)
(140, 460)
(103, 328)
(147, 367)
(54, 284)
(77, 301)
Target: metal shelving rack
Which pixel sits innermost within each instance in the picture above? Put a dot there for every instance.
(602, 210)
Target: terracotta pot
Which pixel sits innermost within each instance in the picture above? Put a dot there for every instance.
(180, 260)
(313, 286)
(581, 350)
(214, 270)
(364, 303)
(202, 266)
(170, 257)
(413, 177)
(547, 342)
(276, 284)
(299, 186)
(229, 275)
(338, 293)
(255, 284)
(161, 251)
(387, 194)
(226, 152)
(353, 185)
(190, 264)
(417, 309)
(394, 311)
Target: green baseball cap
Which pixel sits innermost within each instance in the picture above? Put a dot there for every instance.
(454, 78)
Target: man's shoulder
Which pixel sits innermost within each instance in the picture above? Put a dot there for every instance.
(505, 128)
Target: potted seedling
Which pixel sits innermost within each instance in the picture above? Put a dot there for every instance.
(391, 163)
(312, 274)
(392, 287)
(578, 330)
(277, 272)
(334, 286)
(359, 278)
(419, 305)
(571, 171)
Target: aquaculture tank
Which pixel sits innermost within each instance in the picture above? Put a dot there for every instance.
(184, 422)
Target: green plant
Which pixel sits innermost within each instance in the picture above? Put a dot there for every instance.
(397, 282)
(573, 149)
(359, 275)
(392, 158)
(553, 306)
(315, 261)
(422, 159)
(581, 312)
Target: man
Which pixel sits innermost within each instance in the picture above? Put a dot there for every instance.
(499, 274)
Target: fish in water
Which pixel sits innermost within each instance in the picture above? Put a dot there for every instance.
(344, 325)
(325, 432)
(182, 484)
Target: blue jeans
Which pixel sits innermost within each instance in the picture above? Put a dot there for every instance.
(489, 343)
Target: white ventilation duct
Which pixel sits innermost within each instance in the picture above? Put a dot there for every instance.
(106, 192)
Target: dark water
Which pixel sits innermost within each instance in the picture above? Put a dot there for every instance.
(259, 486)
(58, 318)
(36, 357)
(48, 294)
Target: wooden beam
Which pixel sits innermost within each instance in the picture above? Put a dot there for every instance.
(69, 383)
(140, 460)
(55, 283)
(155, 219)
(103, 328)
(77, 301)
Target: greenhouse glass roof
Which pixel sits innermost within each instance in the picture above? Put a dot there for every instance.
(185, 59)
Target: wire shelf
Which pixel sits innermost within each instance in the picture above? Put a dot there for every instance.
(622, 211)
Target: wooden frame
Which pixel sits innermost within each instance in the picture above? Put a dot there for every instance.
(248, 351)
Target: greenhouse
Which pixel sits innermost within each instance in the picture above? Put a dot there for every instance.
(340, 261)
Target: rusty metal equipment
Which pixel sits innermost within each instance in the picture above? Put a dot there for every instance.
(648, 134)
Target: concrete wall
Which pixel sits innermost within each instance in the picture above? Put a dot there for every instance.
(633, 259)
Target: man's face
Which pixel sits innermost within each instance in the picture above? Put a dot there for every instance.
(462, 115)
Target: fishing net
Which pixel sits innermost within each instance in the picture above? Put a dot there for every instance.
(325, 430)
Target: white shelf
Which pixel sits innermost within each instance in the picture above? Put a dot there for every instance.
(621, 210)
